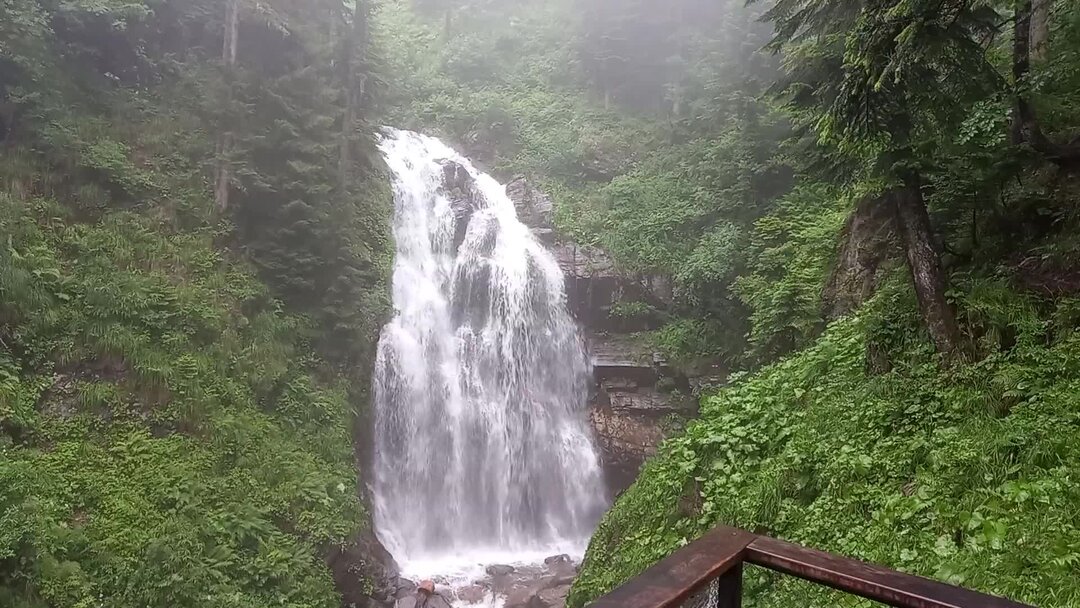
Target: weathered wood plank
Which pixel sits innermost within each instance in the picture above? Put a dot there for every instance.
(676, 577)
(866, 580)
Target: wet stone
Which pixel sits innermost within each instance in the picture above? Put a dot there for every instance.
(557, 560)
(554, 597)
(404, 588)
(499, 570)
(473, 594)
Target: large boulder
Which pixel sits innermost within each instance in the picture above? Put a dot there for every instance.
(415, 600)
(500, 569)
(560, 560)
(541, 594)
(555, 597)
(364, 572)
(868, 245)
(637, 402)
(436, 600)
(473, 594)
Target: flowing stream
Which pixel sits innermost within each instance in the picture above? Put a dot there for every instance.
(482, 449)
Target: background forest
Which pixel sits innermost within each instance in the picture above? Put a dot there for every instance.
(866, 209)
(193, 265)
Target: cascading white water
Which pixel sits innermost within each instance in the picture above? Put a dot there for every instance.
(482, 450)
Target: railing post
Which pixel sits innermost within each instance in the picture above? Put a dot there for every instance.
(729, 588)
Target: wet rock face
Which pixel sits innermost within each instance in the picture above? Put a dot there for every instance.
(534, 208)
(594, 286)
(593, 282)
(637, 400)
(460, 188)
(364, 572)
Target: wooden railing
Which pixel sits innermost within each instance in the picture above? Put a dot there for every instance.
(721, 553)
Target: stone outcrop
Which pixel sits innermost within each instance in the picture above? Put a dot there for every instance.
(460, 189)
(364, 572)
(594, 286)
(868, 243)
(534, 208)
(637, 400)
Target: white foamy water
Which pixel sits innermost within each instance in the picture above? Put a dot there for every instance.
(482, 450)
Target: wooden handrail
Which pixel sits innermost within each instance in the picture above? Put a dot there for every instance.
(720, 553)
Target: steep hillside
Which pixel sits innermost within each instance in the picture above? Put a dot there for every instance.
(193, 272)
(865, 446)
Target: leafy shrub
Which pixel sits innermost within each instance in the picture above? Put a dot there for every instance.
(163, 438)
(961, 474)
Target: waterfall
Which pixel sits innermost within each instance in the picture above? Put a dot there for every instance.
(481, 441)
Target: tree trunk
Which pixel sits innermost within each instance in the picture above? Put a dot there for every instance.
(1025, 126)
(225, 140)
(228, 51)
(1022, 112)
(1040, 28)
(356, 44)
(924, 261)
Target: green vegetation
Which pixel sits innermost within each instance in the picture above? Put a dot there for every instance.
(868, 207)
(165, 441)
(967, 476)
(182, 376)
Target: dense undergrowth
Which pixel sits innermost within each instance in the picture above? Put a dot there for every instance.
(967, 475)
(165, 440)
(183, 379)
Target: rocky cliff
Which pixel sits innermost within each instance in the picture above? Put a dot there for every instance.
(637, 399)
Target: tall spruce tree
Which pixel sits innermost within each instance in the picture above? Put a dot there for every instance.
(880, 78)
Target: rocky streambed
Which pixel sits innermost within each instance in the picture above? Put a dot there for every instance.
(523, 585)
